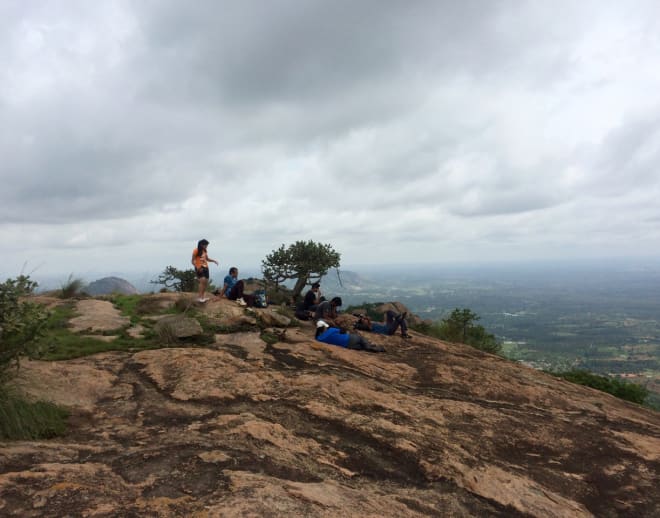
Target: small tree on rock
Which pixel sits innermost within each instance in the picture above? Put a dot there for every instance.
(305, 261)
(460, 327)
(21, 323)
(178, 280)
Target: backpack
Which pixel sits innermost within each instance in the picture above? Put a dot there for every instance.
(260, 300)
(301, 314)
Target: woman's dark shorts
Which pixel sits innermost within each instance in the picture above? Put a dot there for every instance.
(203, 272)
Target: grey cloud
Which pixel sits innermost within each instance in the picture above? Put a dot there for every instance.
(437, 121)
(480, 203)
(629, 157)
(252, 55)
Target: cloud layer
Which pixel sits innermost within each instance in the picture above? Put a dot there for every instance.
(421, 131)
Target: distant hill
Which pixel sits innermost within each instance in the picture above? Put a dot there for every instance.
(108, 285)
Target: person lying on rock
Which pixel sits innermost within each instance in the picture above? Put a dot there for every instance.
(327, 310)
(391, 322)
(334, 336)
(233, 289)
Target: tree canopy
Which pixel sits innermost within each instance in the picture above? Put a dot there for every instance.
(177, 280)
(460, 327)
(620, 388)
(305, 261)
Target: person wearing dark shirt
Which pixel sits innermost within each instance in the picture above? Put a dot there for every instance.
(312, 298)
(327, 310)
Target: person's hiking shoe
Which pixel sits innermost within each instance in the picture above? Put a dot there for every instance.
(406, 336)
(202, 300)
(241, 302)
(375, 348)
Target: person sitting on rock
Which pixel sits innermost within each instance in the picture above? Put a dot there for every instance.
(313, 298)
(391, 322)
(233, 289)
(327, 310)
(334, 336)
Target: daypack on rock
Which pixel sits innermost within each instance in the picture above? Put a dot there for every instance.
(302, 314)
(260, 300)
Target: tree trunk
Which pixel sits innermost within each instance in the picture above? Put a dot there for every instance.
(300, 285)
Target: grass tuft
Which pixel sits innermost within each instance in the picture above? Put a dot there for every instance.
(72, 287)
(25, 420)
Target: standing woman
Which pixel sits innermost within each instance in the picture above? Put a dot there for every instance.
(200, 260)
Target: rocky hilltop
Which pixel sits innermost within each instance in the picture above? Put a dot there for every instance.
(109, 285)
(264, 421)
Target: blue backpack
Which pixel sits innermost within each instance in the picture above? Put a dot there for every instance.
(260, 300)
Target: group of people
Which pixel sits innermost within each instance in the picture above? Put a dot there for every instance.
(314, 305)
(329, 331)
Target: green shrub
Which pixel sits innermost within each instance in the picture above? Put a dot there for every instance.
(460, 327)
(24, 420)
(71, 288)
(619, 388)
(21, 323)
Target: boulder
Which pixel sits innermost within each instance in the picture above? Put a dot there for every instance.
(179, 326)
(270, 317)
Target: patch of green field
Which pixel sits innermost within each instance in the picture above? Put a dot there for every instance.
(65, 345)
(128, 304)
(60, 343)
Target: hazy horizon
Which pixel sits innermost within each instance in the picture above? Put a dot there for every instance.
(567, 268)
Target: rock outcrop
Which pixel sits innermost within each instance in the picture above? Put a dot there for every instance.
(110, 285)
(97, 315)
(276, 425)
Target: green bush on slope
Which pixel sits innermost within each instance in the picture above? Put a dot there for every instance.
(21, 324)
(619, 388)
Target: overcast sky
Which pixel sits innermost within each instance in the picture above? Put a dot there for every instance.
(397, 131)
